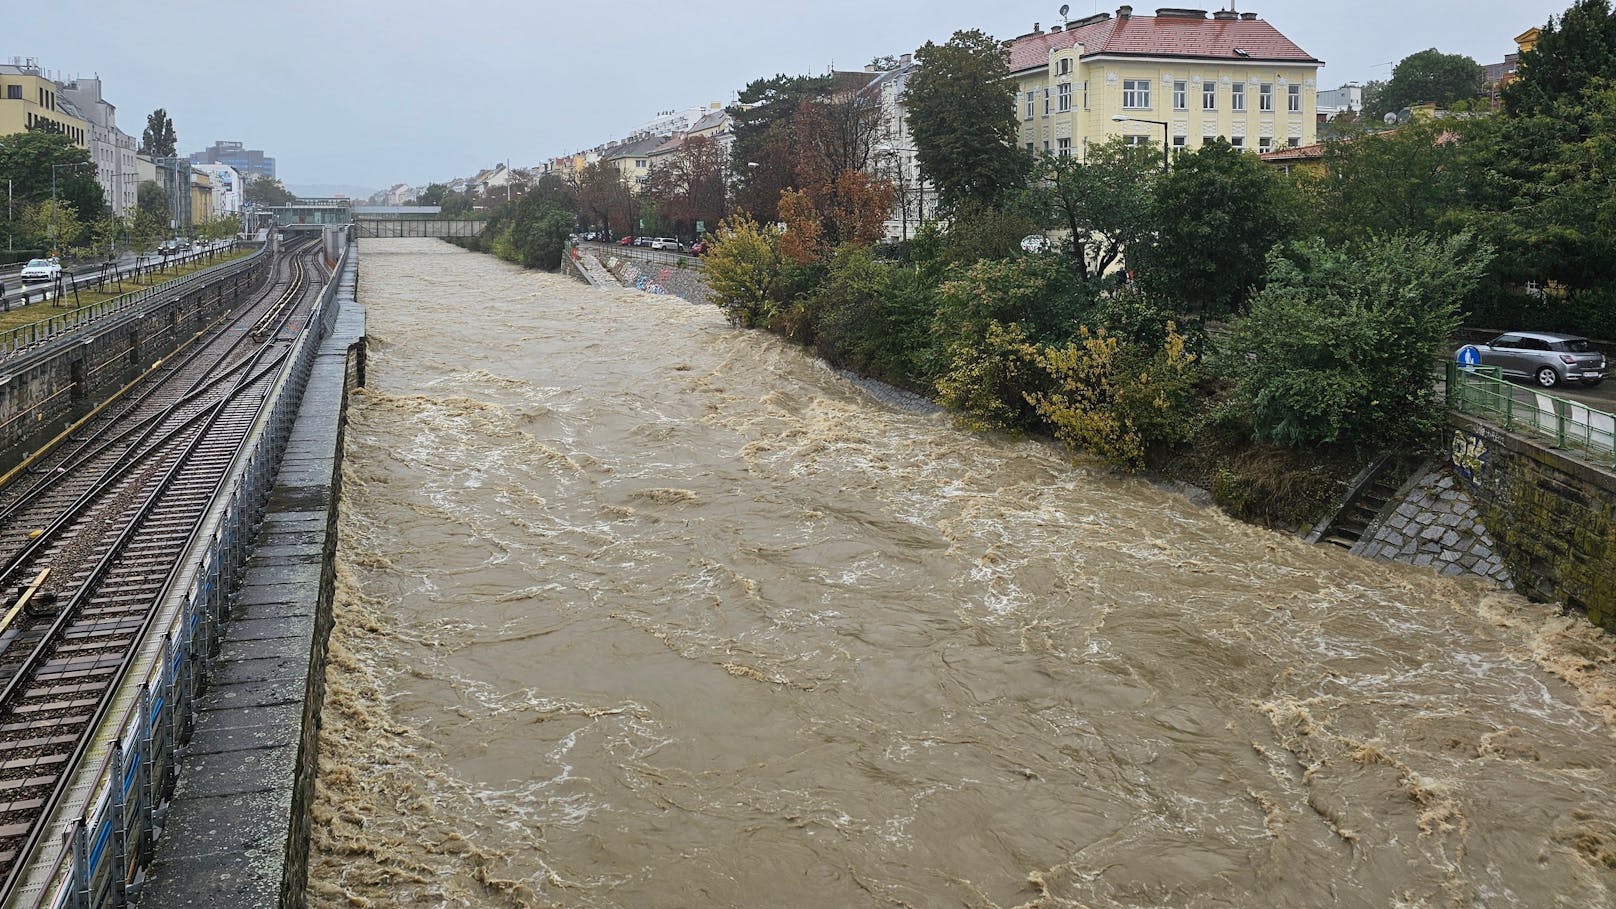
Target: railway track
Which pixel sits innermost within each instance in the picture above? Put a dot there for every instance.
(92, 534)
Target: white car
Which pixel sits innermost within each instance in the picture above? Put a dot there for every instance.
(41, 270)
(665, 243)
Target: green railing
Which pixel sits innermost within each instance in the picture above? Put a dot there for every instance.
(1483, 392)
(23, 337)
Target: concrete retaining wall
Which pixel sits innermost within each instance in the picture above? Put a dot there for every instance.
(1552, 516)
(43, 391)
(238, 830)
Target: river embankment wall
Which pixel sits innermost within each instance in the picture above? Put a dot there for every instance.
(237, 831)
(1552, 515)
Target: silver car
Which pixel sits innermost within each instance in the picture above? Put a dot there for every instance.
(1547, 358)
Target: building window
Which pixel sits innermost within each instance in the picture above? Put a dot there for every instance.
(1181, 96)
(1208, 139)
(1064, 147)
(1180, 141)
(1293, 142)
(640, 162)
(14, 92)
(1046, 146)
(1063, 66)
(1237, 96)
(1029, 105)
(1265, 143)
(1085, 94)
(1046, 104)
(1029, 146)
(1064, 90)
(1136, 140)
(1295, 100)
(1209, 96)
(1265, 96)
(1135, 94)
(1236, 141)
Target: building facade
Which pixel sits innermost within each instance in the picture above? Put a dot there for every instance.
(248, 162)
(174, 176)
(30, 100)
(112, 149)
(226, 184)
(1178, 75)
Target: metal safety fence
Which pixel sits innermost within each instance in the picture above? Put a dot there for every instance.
(24, 337)
(1483, 392)
(105, 847)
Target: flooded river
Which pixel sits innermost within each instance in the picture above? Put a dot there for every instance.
(639, 610)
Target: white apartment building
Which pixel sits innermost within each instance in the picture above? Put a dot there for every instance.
(112, 149)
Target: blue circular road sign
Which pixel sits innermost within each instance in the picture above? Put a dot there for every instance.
(1469, 356)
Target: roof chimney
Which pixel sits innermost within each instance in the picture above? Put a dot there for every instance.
(907, 59)
(1173, 12)
(1249, 17)
(1225, 14)
(1037, 29)
(1054, 29)
(1124, 12)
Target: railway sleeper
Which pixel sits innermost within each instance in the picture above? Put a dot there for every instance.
(106, 629)
(41, 761)
(42, 725)
(53, 741)
(56, 691)
(53, 706)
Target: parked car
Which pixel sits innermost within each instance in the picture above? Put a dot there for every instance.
(41, 270)
(1547, 358)
(642, 241)
(626, 241)
(667, 243)
(699, 248)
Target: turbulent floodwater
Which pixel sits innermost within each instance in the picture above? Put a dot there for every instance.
(637, 610)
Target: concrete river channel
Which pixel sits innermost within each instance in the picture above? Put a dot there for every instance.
(635, 609)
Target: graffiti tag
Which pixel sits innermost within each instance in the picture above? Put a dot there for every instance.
(1468, 455)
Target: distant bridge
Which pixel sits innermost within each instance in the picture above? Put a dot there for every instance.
(385, 221)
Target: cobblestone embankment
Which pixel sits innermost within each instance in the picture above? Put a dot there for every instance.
(1434, 524)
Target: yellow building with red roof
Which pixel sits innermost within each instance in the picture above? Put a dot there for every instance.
(1182, 76)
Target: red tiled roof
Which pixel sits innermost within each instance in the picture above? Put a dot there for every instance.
(1163, 36)
(1301, 153)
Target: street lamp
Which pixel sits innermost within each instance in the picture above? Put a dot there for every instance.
(1167, 147)
(893, 155)
(54, 169)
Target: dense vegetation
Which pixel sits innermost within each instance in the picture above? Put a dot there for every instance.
(1274, 319)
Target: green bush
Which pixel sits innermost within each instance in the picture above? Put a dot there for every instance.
(1118, 400)
(1342, 343)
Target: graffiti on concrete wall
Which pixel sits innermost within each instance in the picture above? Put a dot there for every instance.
(1469, 455)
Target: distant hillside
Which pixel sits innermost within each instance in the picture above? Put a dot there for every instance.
(327, 190)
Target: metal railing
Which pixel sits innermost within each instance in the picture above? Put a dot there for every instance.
(104, 848)
(24, 337)
(1482, 391)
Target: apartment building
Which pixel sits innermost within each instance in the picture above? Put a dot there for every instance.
(250, 163)
(1181, 75)
(29, 100)
(112, 149)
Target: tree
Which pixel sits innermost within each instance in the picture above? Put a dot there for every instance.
(1572, 55)
(158, 140)
(266, 192)
(454, 205)
(761, 155)
(432, 195)
(1338, 346)
(743, 268)
(688, 185)
(1405, 179)
(54, 220)
(962, 116)
(1218, 213)
(1105, 202)
(1429, 77)
(104, 234)
(607, 198)
(151, 197)
(27, 159)
(146, 230)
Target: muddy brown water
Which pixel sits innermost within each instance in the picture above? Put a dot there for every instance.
(639, 610)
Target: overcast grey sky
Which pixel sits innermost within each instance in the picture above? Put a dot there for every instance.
(375, 92)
